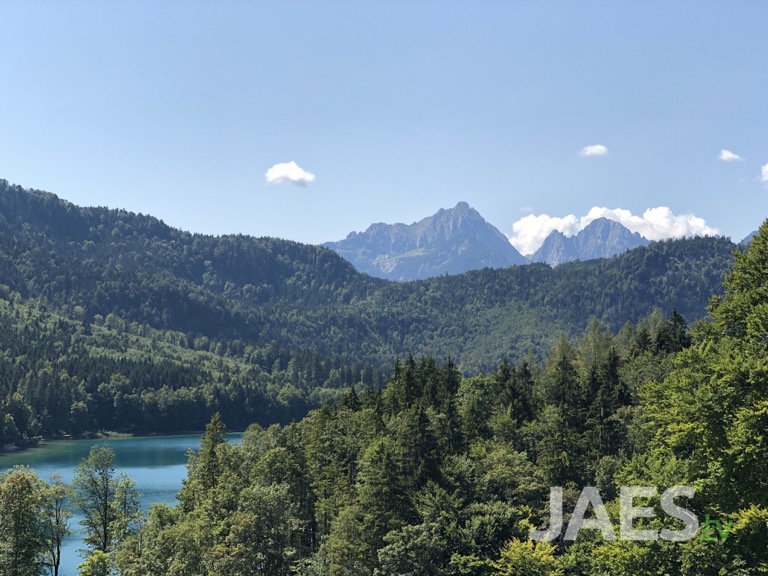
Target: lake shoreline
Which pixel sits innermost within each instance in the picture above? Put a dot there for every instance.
(157, 464)
(43, 441)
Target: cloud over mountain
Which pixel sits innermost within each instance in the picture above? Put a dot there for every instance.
(529, 232)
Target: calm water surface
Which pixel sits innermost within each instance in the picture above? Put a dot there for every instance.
(156, 464)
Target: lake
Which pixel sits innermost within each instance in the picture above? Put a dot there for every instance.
(157, 464)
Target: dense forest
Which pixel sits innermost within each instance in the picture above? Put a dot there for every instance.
(441, 474)
(62, 376)
(88, 263)
(114, 321)
(393, 429)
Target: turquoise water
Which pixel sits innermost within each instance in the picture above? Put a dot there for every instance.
(157, 465)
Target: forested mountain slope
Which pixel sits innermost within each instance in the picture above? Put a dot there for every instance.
(441, 475)
(95, 262)
(67, 376)
(113, 261)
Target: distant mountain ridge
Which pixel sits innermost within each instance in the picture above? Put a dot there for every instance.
(459, 239)
(451, 241)
(601, 238)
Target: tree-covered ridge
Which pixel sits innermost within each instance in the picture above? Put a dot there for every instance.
(93, 262)
(145, 271)
(68, 376)
(439, 474)
(436, 475)
(443, 475)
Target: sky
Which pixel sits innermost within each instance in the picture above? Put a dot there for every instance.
(307, 120)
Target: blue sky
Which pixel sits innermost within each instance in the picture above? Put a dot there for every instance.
(179, 109)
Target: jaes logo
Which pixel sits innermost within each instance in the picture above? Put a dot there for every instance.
(713, 530)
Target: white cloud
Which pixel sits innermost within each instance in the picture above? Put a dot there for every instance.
(289, 173)
(594, 150)
(728, 156)
(529, 232)
(764, 173)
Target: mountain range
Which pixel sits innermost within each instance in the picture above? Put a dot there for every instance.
(601, 238)
(459, 239)
(449, 242)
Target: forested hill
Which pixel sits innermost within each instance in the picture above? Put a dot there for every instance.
(113, 261)
(91, 263)
(441, 475)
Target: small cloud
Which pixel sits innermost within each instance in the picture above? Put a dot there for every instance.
(728, 156)
(526, 209)
(289, 173)
(529, 232)
(764, 174)
(594, 150)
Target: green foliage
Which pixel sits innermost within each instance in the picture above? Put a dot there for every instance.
(705, 423)
(260, 534)
(33, 523)
(115, 321)
(410, 480)
(109, 504)
(710, 412)
(124, 268)
(22, 532)
(526, 558)
(437, 473)
(97, 563)
(63, 377)
(56, 516)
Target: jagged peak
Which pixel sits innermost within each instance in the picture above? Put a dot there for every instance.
(451, 240)
(462, 207)
(601, 238)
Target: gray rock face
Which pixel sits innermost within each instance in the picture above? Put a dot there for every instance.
(602, 238)
(449, 242)
(748, 240)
